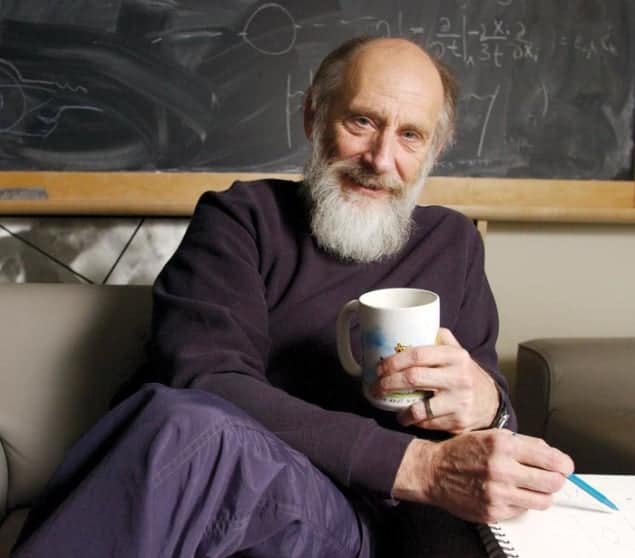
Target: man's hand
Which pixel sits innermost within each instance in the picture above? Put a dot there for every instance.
(482, 476)
(465, 397)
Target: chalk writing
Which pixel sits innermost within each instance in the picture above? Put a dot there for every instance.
(485, 43)
(590, 47)
(491, 100)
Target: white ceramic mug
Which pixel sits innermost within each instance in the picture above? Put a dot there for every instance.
(390, 321)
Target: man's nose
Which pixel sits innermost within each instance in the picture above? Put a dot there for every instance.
(380, 153)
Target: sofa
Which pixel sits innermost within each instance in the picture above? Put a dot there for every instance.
(579, 395)
(66, 348)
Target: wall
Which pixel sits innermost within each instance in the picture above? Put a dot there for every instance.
(560, 280)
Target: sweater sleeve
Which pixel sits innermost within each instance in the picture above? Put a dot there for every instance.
(211, 331)
(477, 326)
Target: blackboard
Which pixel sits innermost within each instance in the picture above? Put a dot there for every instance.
(547, 87)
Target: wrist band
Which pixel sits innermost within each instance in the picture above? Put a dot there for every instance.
(502, 414)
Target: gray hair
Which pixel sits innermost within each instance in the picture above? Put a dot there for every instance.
(328, 81)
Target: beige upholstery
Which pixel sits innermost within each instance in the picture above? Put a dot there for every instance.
(579, 394)
(64, 349)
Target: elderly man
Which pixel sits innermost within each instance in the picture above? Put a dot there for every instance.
(258, 444)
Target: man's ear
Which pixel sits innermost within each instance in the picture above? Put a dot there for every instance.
(309, 115)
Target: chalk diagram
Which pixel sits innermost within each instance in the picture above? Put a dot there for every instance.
(29, 107)
(287, 44)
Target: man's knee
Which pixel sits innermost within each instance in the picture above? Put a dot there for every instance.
(175, 425)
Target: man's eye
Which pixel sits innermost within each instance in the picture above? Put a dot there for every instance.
(411, 135)
(362, 121)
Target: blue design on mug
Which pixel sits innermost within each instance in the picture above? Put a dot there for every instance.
(375, 343)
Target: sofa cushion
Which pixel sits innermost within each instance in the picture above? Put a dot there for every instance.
(65, 348)
(10, 529)
(599, 437)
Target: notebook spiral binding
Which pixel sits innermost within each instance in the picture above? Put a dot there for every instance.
(496, 543)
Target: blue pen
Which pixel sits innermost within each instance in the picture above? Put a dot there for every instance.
(575, 479)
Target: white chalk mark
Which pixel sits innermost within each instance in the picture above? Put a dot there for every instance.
(488, 114)
(175, 35)
(292, 24)
(383, 23)
(545, 94)
(54, 120)
(47, 84)
(287, 110)
(19, 84)
(379, 23)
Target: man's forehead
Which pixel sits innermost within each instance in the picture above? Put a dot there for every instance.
(393, 70)
(398, 62)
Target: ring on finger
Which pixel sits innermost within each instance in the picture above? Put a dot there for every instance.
(426, 403)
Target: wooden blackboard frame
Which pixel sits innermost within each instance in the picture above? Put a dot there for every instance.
(174, 194)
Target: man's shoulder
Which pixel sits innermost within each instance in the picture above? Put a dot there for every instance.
(435, 216)
(256, 189)
(259, 204)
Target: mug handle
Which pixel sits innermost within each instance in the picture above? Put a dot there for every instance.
(343, 337)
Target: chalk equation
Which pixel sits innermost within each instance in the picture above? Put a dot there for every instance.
(494, 41)
(483, 42)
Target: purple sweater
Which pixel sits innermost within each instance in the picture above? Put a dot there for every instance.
(246, 309)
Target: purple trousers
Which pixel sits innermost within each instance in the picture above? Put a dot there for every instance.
(183, 473)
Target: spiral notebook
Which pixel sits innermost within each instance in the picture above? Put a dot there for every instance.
(575, 526)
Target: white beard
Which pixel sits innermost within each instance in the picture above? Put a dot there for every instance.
(355, 226)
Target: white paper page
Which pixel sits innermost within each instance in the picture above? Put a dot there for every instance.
(577, 525)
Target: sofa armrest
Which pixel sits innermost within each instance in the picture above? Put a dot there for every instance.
(577, 394)
(4, 481)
